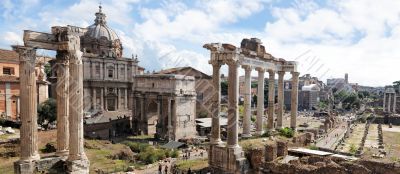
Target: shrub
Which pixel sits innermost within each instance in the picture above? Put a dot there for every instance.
(353, 149)
(286, 132)
(175, 153)
(136, 147)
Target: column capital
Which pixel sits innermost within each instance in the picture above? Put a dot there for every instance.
(281, 73)
(259, 69)
(295, 74)
(247, 67)
(232, 62)
(25, 53)
(215, 63)
(271, 72)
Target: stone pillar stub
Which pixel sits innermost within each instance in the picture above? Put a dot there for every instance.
(281, 97)
(271, 100)
(247, 102)
(62, 92)
(28, 96)
(260, 102)
(216, 100)
(294, 99)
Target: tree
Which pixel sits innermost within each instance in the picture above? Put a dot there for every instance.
(396, 85)
(47, 111)
(224, 88)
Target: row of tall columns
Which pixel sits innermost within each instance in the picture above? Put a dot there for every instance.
(271, 100)
(69, 105)
(390, 105)
(28, 95)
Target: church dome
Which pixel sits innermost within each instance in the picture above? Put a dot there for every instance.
(101, 39)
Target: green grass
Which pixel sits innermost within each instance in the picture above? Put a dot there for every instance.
(192, 164)
(4, 136)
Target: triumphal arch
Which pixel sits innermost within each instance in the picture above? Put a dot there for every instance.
(229, 157)
(70, 148)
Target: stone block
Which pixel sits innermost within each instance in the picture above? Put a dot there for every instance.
(282, 148)
(270, 152)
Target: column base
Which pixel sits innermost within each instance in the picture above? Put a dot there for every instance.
(63, 153)
(216, 141)
(24, 167)
(80, 166)
(259, 133)
(246, 135)
(228, 160)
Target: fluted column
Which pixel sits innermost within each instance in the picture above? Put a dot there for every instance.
(247, 102)
(389, 102)
(281, 97)
(271, 100)
(170, 131)
(216, 108)
(28, 95)
(62, 103)
(394, 103)
(76, 141)
(233, 108)
(384, 102)
(294, 99)
(260, 101)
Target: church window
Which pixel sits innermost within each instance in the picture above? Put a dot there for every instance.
(97, 69)
(110, 73)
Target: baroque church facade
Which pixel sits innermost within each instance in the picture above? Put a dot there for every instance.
(108, 77)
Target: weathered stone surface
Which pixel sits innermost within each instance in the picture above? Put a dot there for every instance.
(270, 152)
(282, 148)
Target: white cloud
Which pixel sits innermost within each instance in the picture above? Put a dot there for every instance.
(13, 38)
(348, 36)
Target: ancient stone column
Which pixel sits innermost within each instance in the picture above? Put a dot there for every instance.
(102, 99)
(394, 103)
(170, 132)
(260, 102)
(389, 102)
(271, 100)
(294, 99)
(94, 98)
(62, 93)
(384, 102)
(216, 108)
(28, 96)
(247, 102)
(233, 108)
(78, 162)
(280, 99)
(143, 115)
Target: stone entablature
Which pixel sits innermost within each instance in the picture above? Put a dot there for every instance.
(165, 83)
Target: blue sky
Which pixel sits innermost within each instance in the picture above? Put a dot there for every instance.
(328, 38)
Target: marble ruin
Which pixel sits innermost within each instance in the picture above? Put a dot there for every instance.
(390, 100)
(66, 41)
(167, 102)
(251, 55)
